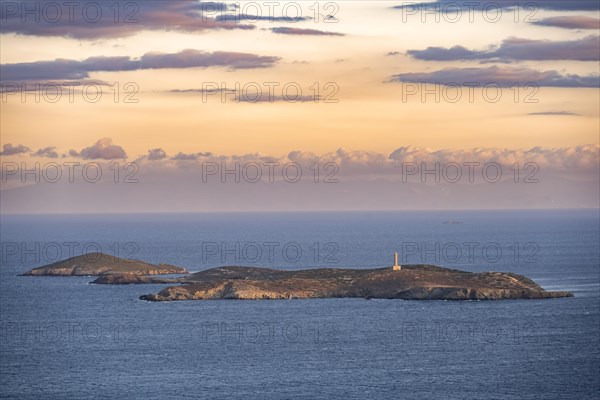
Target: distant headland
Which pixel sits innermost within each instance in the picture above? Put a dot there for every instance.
(407, 282)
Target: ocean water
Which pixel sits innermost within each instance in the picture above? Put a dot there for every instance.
(63, 338)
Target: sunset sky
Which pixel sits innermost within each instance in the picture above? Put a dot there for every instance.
(370, 63)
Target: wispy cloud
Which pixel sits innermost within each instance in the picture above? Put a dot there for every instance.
(238, 96)
(303, 32)
(450, 5)
(73, 69)
(570, 22)
(585, 49)
(254, 18)
(554, 113)
(133, 17)
(501, 76)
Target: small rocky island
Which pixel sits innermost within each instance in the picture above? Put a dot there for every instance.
(409, 282)
(413, 282)
(95, 264)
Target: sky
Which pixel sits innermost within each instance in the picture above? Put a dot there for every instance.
(361, 97)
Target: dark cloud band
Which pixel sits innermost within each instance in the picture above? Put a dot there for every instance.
(303, 32)
(585, 49)
(111, 19)
(501, 76)
(453, 5)
(72, 69)
(570, 22)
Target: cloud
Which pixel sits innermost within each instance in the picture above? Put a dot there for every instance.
(49, 152)
(184, 157)
(96, 20)
(156, 154)
(73, 69)
(265, 98)
(451, 5)
(303, 32)
(585, 49)
(208, 90)
(354, 164)
(444, 54)
(357, 180)
(255, 18)
(393, 53)
(103, 149)
(570, 22)
(582, 157)
(238, 96)
(10, 150)
(554, 113)
(191, 156)
(194, 58)
(501, 76)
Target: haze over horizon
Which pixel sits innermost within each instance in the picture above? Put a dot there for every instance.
(337, 106)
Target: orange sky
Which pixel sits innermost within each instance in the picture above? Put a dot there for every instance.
(370, 114)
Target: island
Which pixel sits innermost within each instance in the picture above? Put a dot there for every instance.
(409, 282)
(406, 282)
(95, 264)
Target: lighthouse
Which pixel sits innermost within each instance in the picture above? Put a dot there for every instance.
(396, 267)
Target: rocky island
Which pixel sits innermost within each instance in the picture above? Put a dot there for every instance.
(94, 264)
(408, 282)
(413, 282)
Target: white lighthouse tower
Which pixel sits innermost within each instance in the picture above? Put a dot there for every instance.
(396, 266)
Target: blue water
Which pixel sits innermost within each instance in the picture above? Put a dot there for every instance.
(62, 338)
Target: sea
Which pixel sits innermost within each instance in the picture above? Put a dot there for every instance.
(63, 338)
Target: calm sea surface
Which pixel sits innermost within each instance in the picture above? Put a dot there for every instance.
(63, 338)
